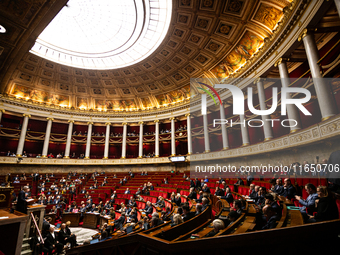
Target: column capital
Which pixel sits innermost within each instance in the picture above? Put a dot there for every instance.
(156, 121)
(70, 121)
(27, 115)
(188, 114)
(305, 32)
(172, 118)
(2, 110)
(259, 80)
(140, 123)
(124, 123)
(107, 123)
(51, 119)
(281, 60)
(90, 123)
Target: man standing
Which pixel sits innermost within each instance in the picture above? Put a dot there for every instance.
(21, 203)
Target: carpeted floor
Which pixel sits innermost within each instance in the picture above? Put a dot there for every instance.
(83, 234)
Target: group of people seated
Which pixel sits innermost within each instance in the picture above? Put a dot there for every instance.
(54, 241)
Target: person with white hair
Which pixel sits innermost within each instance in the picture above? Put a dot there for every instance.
(218, 225)
(21, 202)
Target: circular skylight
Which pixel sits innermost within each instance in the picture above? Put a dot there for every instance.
(2, 29)
(104, 34)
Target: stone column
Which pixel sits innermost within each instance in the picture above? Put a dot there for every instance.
(107, 141)
(69, 139)
(47, 137)
(124, 140)
(23, 135)
(88, 141)
(1, 111)
(323, 91)
(225, 140)
(189, 133)
(267, 129)
(244, 131)
(156, 138)
(292, 110)
(140, 151)
(206, 134)
(337, 4)
(173, 138)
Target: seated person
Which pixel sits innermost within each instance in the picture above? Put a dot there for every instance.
(267, 219)
(176, 220)
(65, 236)
(198, 209)
(278, 188)
(228, 196)
(51, 241)
(192, 194)
(119, 222)
(309, 202)
(232, 217)
(205, 188)
(289, 190)
(160, 202)
(105, 228)
(155, 220)
(205, 203)
(218, 191)
(187, 213)
(218, 225)
(237, 206)
(148, 208)
(260, 197)
(269, 200)
(166, 214)
(326, 208)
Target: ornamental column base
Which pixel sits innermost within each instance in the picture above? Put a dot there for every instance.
(225, 148)
(87, 158)
(326, 118)
(66, 157)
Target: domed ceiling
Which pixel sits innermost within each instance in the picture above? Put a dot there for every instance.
(206, 38)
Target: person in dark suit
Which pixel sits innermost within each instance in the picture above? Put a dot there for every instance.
(65, 236)
(21, 203)
(51, 242)
(37, 246)
(148, 208)
(187, 214)
(192, 194)
(269, 200)
(120, 222)
(197, 183)
(238, 183)
(192, 184)
(289, 190)
(271, 217)
(278, 188)
(206, 188)
(218, 191)
(326, 207)
(228, 196)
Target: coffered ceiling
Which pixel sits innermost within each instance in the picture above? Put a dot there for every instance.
(208, 37)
